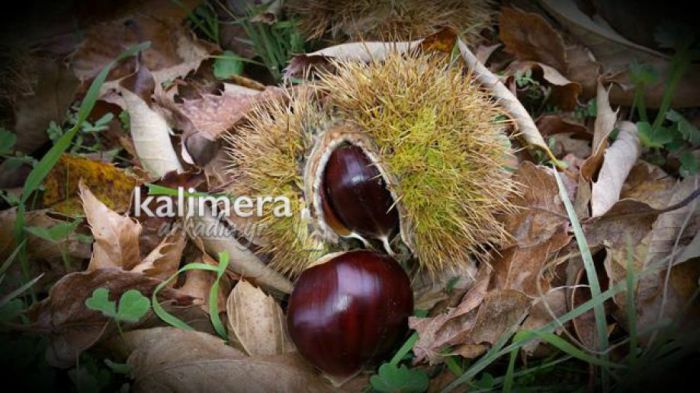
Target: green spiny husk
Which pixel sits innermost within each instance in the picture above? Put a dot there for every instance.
(437, 135)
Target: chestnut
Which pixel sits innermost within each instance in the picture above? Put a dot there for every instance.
(355, 195)
(349, 310)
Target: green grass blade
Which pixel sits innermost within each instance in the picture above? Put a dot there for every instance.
(591, 274)
(508, 382)
(160, 311)
(565, 347)
(214, 297)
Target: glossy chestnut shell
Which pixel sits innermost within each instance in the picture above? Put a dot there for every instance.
(355, 194)
(350, 311)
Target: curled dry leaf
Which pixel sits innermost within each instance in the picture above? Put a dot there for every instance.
(110, 184)
(604, 125)
(150, 133)
(618, 161)
(256, 322)
(70, 325)
(564, 92)
(544, 309)
(116, 236)
(524, 124)
(173, 360)
(585, 324)
(453, 326)
(163, 260)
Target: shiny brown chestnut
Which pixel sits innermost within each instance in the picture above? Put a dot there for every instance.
(349, 311)
(355, 195)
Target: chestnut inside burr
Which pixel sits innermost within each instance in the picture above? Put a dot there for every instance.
(356, 195)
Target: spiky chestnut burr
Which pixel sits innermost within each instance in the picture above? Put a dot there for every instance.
(434, 137)
(390, 19)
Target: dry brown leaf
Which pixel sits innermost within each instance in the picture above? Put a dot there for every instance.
(164, 260)
(543, 311)
(649, 184)
(529, 36)
(614, 52)
(116, 237)
(551, 124)
(541, 213)
(671, 303)
(50, 93)
(256, 322)
(174, 360)
(451, 327)
(429, 289)
(110, 184)
(665, 234)
(70, 325)
(604, 125)
(501, 310)
(173, 52)
(522, 269)
(585, 324)
(571, 148)
(618, 161)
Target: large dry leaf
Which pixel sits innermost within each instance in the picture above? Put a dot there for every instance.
(618, 161)
(256, 321)
(541, 213)
(50, 94)
(173, 52)
(116, 237)
(529, 36)
(70, 325)
(522, 269)
(614, 52)
(173, 360)
(110, 184)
